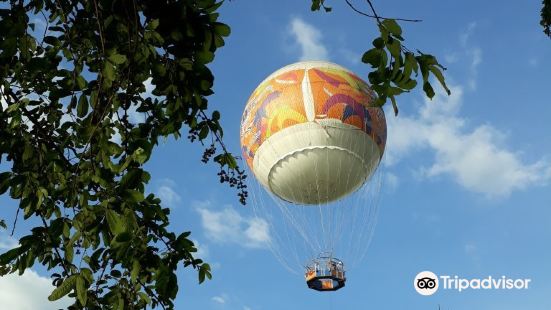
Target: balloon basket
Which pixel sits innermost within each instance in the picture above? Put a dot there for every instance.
(325, 273)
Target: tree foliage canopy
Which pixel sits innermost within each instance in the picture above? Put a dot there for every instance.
(77, 127)
(546, 17)
(67, 128)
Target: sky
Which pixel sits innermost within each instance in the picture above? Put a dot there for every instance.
(466, 177)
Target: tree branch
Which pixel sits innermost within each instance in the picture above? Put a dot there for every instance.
(14, 222)
(376, 16)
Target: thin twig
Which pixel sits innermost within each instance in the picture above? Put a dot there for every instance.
(379, 17)
(14, 222)
(152, 294)
(54, 246)
(373, 10)
(99, 27)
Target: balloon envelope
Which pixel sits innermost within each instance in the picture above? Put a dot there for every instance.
(309, 133)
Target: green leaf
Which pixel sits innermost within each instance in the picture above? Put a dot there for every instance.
(438, 74)
(10, 255)
(135, 270)
(134, 196)
(394, 105)
(226, 159)
(409, 61)
(204, 57)
(379, 43)
(409, 84)
(372, 57)
(82, 107)
(153, 24)
(144, 297)
(115, 222)
(140, 155)
(123, 237)
(81, 82)
(13, 107)
(115, 273)
(4, 181)
(64, 289)
(392, 26)
(428, 89)
(204, 132)
(204, 271)
(117, 59)
(108, 71)
(222, 29)
(69, 253)
(394, 48)
(215, 116)
(82, 292)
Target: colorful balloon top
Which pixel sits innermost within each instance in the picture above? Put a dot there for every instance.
(308, 92)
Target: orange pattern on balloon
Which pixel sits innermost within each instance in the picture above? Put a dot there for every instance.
(278, 103)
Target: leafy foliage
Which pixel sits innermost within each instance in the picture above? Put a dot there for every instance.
(546, 17)
(318, 4)
(77, 127)
(395, 67)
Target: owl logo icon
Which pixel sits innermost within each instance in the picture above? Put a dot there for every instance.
(426, 283)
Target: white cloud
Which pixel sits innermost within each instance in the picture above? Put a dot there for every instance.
(467, 51)
(477, 158)
(451, 58)
(475, 55)
(470, 248)
(257, 232)
(228, 226)
(467, 34)
(391, 182)
(29, 291)
(472, 52)
(350, 56)
(7, 242)
(168, 195)
(202, 249)
(219, 299)
(309, 40)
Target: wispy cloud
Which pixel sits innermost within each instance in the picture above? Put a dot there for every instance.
(477, 158)
(7, 242)
(166, 192)
(228, 226)
(202, 249)
(467, 34)
(350, 56)
(472, 52)
(219, 299)
(469, 52)
(309, 39)
(29, 291)
(391, 182)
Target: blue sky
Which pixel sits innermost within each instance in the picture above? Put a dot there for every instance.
(466, 177)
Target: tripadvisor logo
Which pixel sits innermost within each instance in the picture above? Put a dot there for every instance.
(427, 283)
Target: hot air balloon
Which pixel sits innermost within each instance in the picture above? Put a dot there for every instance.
(313, 141)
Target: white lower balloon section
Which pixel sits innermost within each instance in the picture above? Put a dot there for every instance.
(316, 162)
(317, 186)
